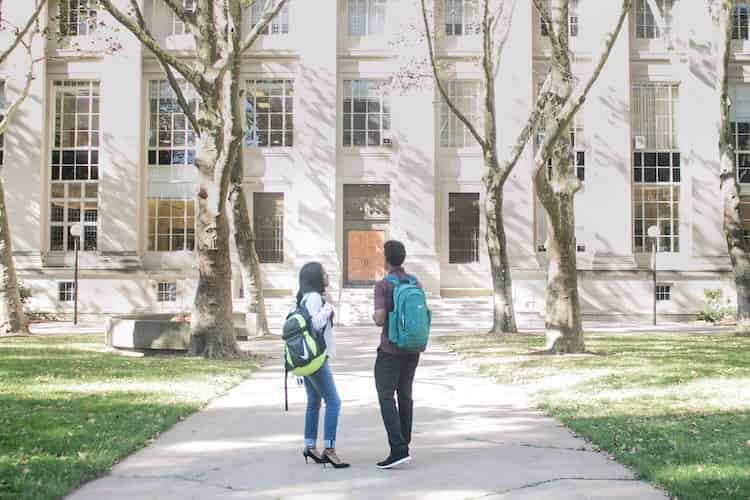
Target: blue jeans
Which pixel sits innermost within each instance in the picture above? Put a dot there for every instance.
(320, 385)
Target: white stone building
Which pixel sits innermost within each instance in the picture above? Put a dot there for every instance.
(336, 162)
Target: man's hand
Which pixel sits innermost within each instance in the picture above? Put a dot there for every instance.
(379, 317)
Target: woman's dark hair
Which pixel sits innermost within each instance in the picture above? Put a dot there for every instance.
(395, 253)
(310, 280)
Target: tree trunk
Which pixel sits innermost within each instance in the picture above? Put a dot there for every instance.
(562, 323)
(244, 238)
(244, 235)
(563, 329)
(12, 317)
(730, 189)
(212, 324)
(216, 150)
(503, 316)
(736, 247)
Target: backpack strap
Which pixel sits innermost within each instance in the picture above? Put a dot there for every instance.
(393, 280)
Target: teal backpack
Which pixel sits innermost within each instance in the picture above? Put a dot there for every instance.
(409, 322)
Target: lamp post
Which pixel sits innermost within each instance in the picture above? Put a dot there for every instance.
(653, 234)
(75, 232)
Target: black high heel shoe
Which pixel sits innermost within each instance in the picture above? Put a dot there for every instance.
(309, 453)
(330, 457)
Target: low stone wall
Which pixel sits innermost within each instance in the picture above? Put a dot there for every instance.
(147, 331)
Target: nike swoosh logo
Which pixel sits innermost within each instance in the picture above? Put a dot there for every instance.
(306, 354)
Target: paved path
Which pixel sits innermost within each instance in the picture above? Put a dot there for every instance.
(472, 439)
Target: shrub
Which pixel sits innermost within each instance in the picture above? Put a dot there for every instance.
(715, 308)
(25, 293)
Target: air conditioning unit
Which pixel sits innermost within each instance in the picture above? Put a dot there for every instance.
(387, 138)
(640, 142)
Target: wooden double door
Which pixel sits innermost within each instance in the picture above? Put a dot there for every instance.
(365, 261)
(366, 217)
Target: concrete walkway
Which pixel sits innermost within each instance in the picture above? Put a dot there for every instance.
(472, 439)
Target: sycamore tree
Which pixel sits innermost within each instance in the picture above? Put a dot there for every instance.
(555, 107)
(494, 26)
(213, 74)
(556, 188)
(18, 37)
(721, 11)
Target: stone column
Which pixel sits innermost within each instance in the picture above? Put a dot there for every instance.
(26, 148)
(122, 125)
(313, 234)
(608, 165)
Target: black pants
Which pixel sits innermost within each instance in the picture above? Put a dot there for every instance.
(395, 373)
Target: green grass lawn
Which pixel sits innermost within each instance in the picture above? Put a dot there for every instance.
(675, 408)
(69, 411)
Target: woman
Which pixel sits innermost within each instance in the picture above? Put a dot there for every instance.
(313, 281)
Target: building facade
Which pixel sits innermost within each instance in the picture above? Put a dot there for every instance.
(341, 155)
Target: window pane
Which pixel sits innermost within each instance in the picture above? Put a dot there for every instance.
(463, 228)
(268, 220)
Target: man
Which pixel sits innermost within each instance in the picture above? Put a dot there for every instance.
(394, 368)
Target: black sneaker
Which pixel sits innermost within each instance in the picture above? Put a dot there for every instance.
(393, 461)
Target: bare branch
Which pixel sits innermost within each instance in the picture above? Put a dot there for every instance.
(523, 137)
(579, 94)
(441, 86)
(188, 73)
(13, 108)
(505, 34)
(24, 31)
(256, 30)
(181, 100)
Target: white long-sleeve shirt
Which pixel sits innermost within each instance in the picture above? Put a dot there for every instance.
(322, 319)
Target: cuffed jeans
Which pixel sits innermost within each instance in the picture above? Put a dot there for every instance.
(395, 374)
(320, 385)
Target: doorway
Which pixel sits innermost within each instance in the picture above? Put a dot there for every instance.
(366, 220)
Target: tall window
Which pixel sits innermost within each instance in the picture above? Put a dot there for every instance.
(278, 25)
(572, 18)
(367, 112)
(171, 224)
(268, 221)
(745, 213)
(366, 17)
(465, 94)
(178, 27)
(74, 168)
(171, 159)
(78, 17)
(461, 17)
(463, 228)
(646, 26)
(578, 143)
(656, 167)
(171, 139)
(269, 113)
(739, 116)
(740, 17)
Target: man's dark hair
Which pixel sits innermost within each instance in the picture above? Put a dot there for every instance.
(395, 253)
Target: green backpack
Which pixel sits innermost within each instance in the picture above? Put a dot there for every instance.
(409, 322)
(304, 348)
